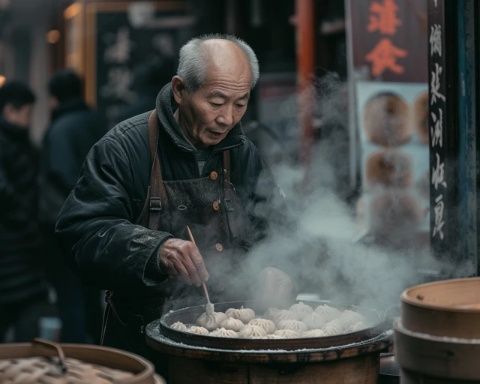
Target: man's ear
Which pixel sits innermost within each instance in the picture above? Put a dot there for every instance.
(178, 89)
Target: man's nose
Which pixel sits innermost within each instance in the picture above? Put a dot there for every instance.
(226, 116)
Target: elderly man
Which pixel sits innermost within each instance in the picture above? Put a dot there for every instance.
(187, 163)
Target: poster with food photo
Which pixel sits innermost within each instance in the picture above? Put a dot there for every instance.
(394, 162)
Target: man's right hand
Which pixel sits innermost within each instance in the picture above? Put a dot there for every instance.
(183, 259)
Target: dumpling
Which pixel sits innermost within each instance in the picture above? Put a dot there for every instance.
(315, 320)
(284, 314)
(222, 332)
(301, 309)
(252, 332)
(232, 323)
(333, 327)
(197, 330)
(355, 327)
(294, 325)
(286, 333)
(179, 326)
(349, 317)
(243, 314)
(211, 321)
(329, 312)
(266, 324)
(314, 333)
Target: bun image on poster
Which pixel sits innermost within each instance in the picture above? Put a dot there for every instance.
(420, 116)
(394, 216)
(389, 168)
(386, 120)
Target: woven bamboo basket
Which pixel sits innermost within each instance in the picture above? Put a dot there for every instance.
(45, 362)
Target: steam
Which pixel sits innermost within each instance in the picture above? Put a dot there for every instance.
(320, 242)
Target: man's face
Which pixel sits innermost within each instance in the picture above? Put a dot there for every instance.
(208, 114)
(21, 117)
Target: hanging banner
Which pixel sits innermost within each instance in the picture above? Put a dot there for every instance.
(388, 48)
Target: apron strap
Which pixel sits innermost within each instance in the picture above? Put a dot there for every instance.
(156, 193)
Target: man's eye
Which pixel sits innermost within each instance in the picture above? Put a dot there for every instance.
(240, 105)
(216, 104)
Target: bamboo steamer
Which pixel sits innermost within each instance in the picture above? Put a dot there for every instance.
(43, 361)
(437, 339)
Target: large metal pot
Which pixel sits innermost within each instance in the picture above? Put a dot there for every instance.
(345, 359)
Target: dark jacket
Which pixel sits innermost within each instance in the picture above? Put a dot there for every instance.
(74, 129)
(20, 248)
(97, 222)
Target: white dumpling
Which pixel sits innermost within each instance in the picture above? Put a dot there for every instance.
(314, 333)
(349, 317)
(252, 332)
(197, 330)
(284, 314)
(222, 332)
(301, 309)
(232, 323)
(294, 325)
(211, 321)
(355, 327)
(243, 314)
(333, 327)
(315, 320)
(329, 312)
(266, 324)
(286, 333)
(179, 326)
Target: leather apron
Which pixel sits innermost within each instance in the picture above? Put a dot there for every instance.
(213, 211)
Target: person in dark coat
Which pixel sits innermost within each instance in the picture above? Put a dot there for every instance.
(74, 128)
(23, 288)
(187, 163)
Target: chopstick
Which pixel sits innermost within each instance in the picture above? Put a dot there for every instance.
(204, 286)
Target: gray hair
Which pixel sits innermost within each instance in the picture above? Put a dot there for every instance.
(191, 65)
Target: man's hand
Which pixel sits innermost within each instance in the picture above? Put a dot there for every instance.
(183, 259)
(275, 288)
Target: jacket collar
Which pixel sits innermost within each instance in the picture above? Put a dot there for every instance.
(165, 106)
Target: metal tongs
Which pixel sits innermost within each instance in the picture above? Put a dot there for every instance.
(209, 308)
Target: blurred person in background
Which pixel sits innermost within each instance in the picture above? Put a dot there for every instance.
(23, 288)
(74, 128)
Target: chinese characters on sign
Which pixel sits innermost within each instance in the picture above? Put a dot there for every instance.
(385, 54)
(437, 103)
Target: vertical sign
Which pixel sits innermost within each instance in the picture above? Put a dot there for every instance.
(437, 122)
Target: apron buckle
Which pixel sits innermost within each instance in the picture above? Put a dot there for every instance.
(155, 204)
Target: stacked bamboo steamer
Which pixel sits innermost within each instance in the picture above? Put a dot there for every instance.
(437, 340)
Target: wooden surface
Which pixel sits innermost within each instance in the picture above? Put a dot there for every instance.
(358, 370)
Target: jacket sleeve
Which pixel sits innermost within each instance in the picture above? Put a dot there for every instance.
(97, 221)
